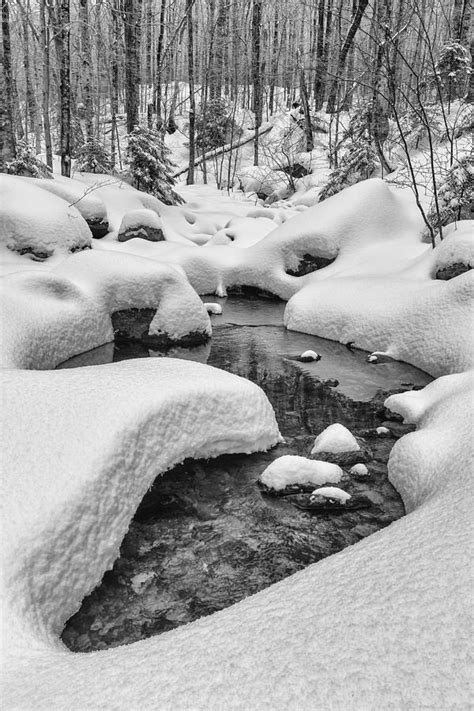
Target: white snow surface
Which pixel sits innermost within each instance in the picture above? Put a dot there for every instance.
(335, 438)
(332, 492)
(291, 469)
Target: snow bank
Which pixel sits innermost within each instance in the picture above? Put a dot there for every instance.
(335, 438)
(289, 469)
(48, 317)
(70, 503)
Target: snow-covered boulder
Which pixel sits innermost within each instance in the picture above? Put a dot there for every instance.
(141, 223)
(331, 492)
(212, 308)
(37, 223)
(454, 255)
(360, 472)
(290, 470)
(309, 356)
(335, 438)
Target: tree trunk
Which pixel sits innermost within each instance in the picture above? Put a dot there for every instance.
(256, 72)
(131, 19)
(305, 105)
(86, 77)
(46, 85)
(192, 100)
(7, 125)
(334, 90)
(65, 89)
(159, 67)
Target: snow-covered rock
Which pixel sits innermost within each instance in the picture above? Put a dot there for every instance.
(331, 492)
(309, 356)
(359, 470)
(212, 308)
(141, 224)
(455, 253)
(335, 438)
(288, 470)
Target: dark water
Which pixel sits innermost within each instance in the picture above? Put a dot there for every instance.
(204, 536)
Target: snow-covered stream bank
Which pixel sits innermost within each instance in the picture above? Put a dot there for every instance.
(383, 624)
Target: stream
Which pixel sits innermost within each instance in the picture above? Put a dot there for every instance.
(205, 536)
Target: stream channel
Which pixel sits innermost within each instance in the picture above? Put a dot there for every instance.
(205, 536)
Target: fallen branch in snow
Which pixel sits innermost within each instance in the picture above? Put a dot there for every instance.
(225, 149)
(96, 186)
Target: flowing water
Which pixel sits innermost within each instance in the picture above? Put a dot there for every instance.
(204, 535)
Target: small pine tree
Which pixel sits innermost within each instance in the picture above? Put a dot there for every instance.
(150, 166)
(26, 163)
(455, 197)
(92, 157)
(359, 160)
(358, 163)
(453, 68)
(215, 126)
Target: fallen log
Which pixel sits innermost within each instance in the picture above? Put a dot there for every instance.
(224, 149)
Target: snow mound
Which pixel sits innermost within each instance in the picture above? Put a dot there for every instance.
(290, 469)
(331, 492)
(335, 438)
(36, 222)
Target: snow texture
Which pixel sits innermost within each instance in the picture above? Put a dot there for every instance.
(290, 469)
(335, 438)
